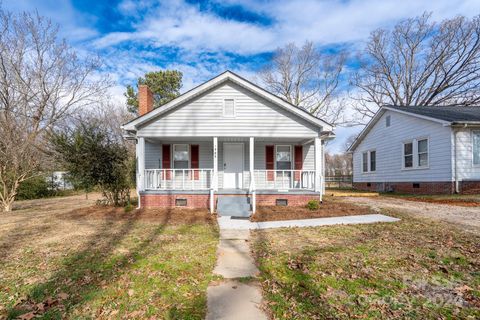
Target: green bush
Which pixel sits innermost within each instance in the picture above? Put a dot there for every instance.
(35, 188)
(313, 205)
(128, 207)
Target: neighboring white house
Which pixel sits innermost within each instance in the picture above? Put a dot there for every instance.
(227, 137)
(428, 150)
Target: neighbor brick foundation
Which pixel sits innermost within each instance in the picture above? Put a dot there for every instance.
(408, 187)
(470, 187)
(168, 200)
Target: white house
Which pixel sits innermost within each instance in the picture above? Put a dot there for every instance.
(427, 150)
(227, 137)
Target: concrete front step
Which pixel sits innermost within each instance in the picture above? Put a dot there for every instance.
(234, 206)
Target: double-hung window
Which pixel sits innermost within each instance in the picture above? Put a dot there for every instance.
(180, 156)
(369, 161)
(408, 155)
(476, 147)
(284, 158)
(415, 154)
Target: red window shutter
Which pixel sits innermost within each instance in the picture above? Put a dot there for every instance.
(194, 160)
(166, 160)
(298, 161)
(269, 162)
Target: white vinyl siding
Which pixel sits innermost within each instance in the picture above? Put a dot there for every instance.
(254, 116)
(389, 143)
(466, 149)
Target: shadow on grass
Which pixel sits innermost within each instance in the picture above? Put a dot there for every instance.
(296, 295)
(83, 273)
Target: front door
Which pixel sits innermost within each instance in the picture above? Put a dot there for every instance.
(232, 165)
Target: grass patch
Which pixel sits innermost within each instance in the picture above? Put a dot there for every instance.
(414, 268)
(99, 262)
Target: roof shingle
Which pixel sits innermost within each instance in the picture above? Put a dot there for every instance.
(457, 114)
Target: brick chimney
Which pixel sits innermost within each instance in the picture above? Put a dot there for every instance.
(145, 99)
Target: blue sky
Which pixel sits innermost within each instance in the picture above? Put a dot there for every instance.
(203, 38)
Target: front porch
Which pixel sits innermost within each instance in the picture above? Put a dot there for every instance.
(197, 170)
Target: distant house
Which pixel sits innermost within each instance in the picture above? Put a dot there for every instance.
(230, 139)
(425, 150)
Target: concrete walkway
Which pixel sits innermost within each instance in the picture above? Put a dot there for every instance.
(232, 299)
(226, 223)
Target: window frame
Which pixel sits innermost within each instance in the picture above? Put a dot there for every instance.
(234, 108)
(173, 155)
(291, 156)
(474, 132)
(369, 161)
(427, 152)
(416, 154)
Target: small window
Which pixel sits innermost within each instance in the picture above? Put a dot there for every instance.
(423, 153)
(281, 202)
(387, 121)
(373, 160)
(365, 162)
(369, 184)
(408, 155)
(180, 156)
(229, 108)
(416, 185)
(181, 202)
(284, 158)
(476, 147)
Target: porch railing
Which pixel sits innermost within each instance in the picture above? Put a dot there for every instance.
(178, 179)
(284, 179)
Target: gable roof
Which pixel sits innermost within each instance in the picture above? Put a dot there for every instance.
(445, 115)
(221, 78)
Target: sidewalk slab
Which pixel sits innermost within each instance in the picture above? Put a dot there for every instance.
(227, 223)
(233, 300)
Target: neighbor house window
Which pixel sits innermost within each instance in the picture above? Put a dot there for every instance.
(229, 108)
(387, 121)
(373, 160)
(422, 153)
(180, 156)
(415, 154)
(369, 161)
(408, 155)
(284, 158)
(365, 162)
(476, 147)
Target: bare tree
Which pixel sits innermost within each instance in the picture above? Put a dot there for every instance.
(42, 81)
(307, 78)
(421, 63)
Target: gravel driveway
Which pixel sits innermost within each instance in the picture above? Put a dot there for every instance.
(468, 218)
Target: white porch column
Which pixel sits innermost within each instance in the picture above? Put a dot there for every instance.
(252, 177)
(215, 164)
(318, 165)
(140, 163)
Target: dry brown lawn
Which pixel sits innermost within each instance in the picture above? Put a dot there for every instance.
(67, 258)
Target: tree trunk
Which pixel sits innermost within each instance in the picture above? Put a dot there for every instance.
(7, 206)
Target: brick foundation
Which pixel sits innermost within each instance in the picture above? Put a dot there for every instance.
(203, 200)
(294, 200)
(168, 200)
(470, 187)
(408, 187)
